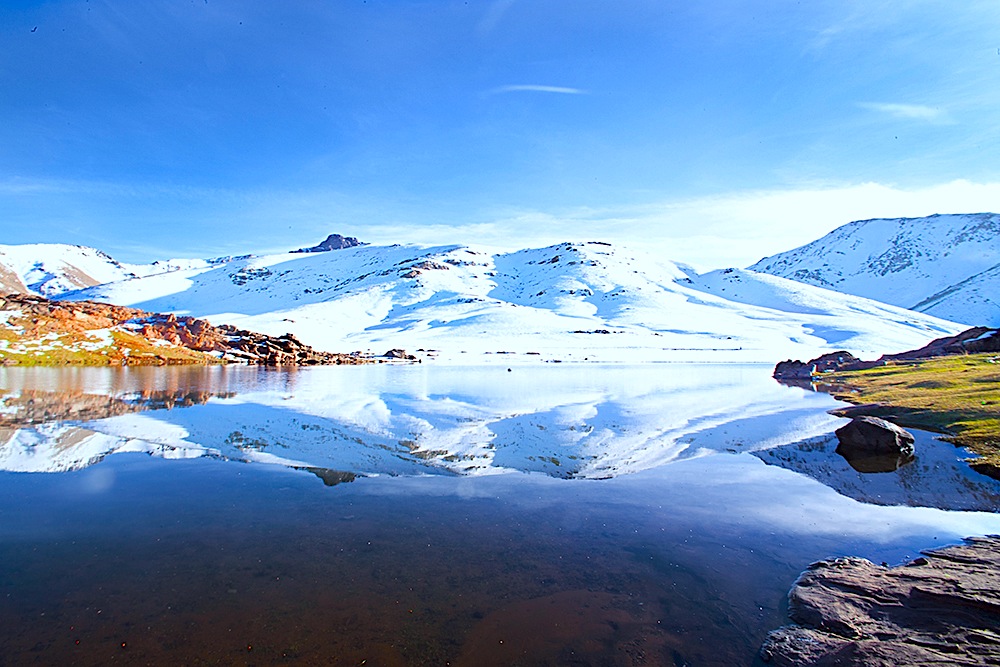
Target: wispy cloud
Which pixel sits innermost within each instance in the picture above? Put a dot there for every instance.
(909, 111)
(139, 222)
(534, 88)
(732, 229)
(493, 16)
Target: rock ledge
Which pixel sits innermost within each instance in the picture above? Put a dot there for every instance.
(940, 609)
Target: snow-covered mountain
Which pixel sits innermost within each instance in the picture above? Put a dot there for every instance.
(571, 301)
(50, 269)
(944, 265)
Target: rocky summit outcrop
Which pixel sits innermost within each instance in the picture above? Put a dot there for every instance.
(34, 319)
(940, 609)
(333, 242)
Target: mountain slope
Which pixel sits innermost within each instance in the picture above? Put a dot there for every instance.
(569, 301)
(974, 300)
(50, 269)
(943, 265)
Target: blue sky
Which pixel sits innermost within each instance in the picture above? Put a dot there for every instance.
(716, 132)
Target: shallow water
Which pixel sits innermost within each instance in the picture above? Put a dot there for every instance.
(591, 515)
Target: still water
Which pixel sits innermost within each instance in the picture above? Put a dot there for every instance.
(420, 515)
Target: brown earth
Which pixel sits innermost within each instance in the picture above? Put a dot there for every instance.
(209, 343)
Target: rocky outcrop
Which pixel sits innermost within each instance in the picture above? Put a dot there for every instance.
(794, 370)
(976, 339)
(333, 242)
(834, 361)
(970, 341)
(940, 609)
(256, 348)
(402, 355)
(38, 316)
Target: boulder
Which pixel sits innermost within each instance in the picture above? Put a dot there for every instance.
(870, 436)
(836, 361)
(792, 370)
(940, 609)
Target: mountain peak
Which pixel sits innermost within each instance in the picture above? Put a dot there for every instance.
(945, 265)
(333, 242)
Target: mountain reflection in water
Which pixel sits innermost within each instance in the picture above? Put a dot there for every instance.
(442, 550)
(584, 422)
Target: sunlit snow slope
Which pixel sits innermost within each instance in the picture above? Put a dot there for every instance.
(571, 301)
(943, 265)
(50, 269)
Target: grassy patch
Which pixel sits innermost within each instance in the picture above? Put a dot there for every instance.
(77, 348)
(958, 396)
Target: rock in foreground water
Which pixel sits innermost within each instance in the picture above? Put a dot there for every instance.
(940, 609)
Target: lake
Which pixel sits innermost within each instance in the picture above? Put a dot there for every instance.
(435, 515)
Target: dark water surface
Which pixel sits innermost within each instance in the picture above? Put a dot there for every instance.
(447, 535)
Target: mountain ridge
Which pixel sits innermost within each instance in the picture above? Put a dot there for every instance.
(572, 301)
(946, 265)
(569, 301)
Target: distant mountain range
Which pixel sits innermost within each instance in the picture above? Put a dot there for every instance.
(944, 265)
(572, 301)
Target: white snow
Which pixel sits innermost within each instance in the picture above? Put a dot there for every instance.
(944, 265)
(568, 302)
(100, 339)
(51, 269)
(567, 421)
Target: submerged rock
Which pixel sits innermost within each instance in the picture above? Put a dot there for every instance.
(941, 609)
